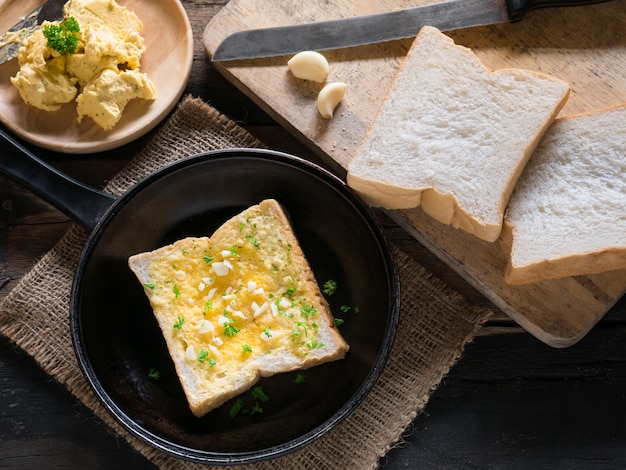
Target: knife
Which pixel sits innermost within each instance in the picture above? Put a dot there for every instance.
(11, 41)
(375, 28)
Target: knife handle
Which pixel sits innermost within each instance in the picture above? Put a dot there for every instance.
(518, 8)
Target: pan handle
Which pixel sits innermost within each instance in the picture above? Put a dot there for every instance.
(81, 203)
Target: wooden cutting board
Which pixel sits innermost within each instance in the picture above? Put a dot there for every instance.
(585, 46)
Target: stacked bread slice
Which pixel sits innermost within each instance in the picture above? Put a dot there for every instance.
(453, 136)
(567, 214)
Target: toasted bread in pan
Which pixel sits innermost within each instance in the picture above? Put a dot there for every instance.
(239, 305)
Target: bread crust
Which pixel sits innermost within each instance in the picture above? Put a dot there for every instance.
(591, 262)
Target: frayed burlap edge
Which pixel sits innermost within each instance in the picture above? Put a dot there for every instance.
(435, 322)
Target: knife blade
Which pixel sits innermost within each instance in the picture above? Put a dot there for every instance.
(11, 41)
(375, 28)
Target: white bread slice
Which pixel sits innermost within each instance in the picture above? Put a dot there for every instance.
(453, 136)
(567, 214)
(250, 304)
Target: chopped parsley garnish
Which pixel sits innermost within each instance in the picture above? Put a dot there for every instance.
(207, 259)
(202, 355)
(329, 287)
(315, 345)
(259, 394)
(246, 348)
(154, 374)
(347, 308)
(253, 240)
(212, 362)
(149, 285)
(63, 37)
(338, 321)
(236, 409)
(179, 323)
(300, 379)
(240, 408)
(278, 309)
(308, 311)
(267, 332)
(231, 330)
(176, 291)
(297, 332)
(289, 292)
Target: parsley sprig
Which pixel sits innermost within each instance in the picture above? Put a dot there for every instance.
(239, 407)
(63, 37)
(329, 287)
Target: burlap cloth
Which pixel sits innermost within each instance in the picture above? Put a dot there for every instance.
(435, 322)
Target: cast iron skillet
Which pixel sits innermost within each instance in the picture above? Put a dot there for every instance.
(117, 340)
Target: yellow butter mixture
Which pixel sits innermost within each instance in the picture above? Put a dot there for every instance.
(229, 300)
(102, 74)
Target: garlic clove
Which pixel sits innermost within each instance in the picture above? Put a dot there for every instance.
(309, 65)
(329, 97)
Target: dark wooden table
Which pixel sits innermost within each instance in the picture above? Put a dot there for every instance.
(511, 402)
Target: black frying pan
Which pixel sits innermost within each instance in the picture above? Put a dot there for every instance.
(117, 340)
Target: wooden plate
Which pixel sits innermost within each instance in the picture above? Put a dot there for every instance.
(167, 61)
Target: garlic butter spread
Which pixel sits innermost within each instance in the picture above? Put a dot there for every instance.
(102, 74)
(12, 37)
(240, 297)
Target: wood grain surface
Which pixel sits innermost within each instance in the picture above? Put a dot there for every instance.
(510, 403)
(584, 46)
